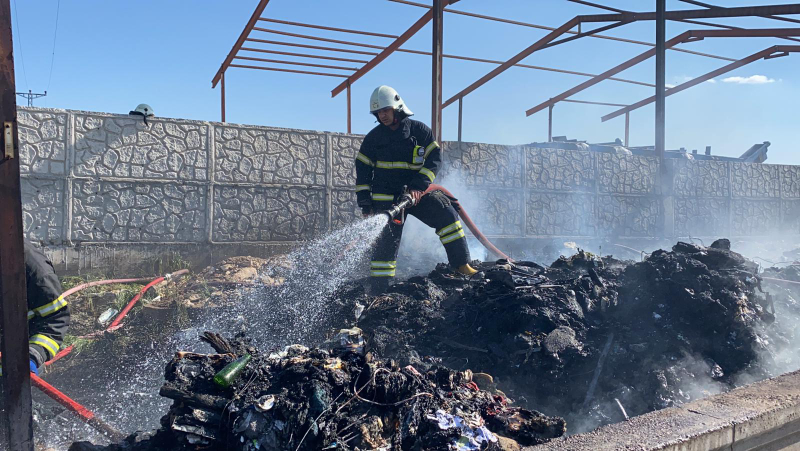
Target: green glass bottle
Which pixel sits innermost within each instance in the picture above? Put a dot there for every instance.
(231, 372)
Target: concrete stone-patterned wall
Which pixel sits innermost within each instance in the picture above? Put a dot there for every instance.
(106, 180)
(572, 193)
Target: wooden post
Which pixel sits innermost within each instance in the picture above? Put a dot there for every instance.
(17, 427)
(550, 123)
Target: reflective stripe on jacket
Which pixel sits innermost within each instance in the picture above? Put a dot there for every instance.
(390, 159)
(48, 312)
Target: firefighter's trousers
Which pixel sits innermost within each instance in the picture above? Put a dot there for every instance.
(434, 210)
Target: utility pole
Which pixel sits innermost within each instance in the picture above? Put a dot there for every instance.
(30, 96)
(17, 424)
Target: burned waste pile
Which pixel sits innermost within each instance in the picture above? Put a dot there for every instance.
(312, 399)
(590, 339)
(449, 362)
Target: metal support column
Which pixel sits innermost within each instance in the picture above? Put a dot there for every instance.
(222, 95)
(460, 112)
(436, 69)
(349, 121)
(17, 424)
(627, 128)
(661, 77)
(550, 123)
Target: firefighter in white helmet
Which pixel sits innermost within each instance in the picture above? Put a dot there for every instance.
(401, 152)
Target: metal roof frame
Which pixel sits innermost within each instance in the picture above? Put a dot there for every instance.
(573, 29)
(772, 52)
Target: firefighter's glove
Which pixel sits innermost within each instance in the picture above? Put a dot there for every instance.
(34, 369)
(416, 195)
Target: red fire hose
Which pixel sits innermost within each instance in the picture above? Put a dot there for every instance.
(85, 415)
(78, 288)
(116, 323)
(470, 225)
(142, 292)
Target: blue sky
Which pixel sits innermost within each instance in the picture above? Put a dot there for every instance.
(112, 55)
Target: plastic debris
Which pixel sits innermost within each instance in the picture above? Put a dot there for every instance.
(472, 437)
(107, 316)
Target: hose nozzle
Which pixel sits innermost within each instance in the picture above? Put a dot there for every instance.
(403, 202)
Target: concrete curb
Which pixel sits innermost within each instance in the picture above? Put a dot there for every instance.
(761, 416)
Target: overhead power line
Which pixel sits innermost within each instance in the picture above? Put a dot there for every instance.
(19, 39)
(53, 56)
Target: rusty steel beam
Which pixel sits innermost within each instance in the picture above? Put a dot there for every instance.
(250, 23)
(729, 27)
(627, 129)
(689, 21)
(588, 102)
(766, 16)
(322, 27)
(349, 112)
(513, 60)
(16, 431)
(744, 11)
(544, 27)
(597, 5)
(661, 80)
(420, 52)
(412, 30)
(624, 18)
(691, 35)
(584, 34)
(277, 69)
(302, 55)
(315, 47)
(768, 53)
(548, 69)
(222, 97)
(316, 38)
(460, 111)
(436, 68)
(296, 63)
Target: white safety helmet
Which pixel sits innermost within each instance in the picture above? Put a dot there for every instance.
(385, 96)
(143, 110)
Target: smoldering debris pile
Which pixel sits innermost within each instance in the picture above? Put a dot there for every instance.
(312, 399)
(591, 339)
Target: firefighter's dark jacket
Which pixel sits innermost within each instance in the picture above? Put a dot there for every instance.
(48, 313)
(390, 159)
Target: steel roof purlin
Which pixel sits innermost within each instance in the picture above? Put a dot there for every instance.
(616, 17)
(768, 53)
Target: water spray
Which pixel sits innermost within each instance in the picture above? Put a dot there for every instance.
(84, 414)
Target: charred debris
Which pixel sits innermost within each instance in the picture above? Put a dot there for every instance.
(447, 362)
